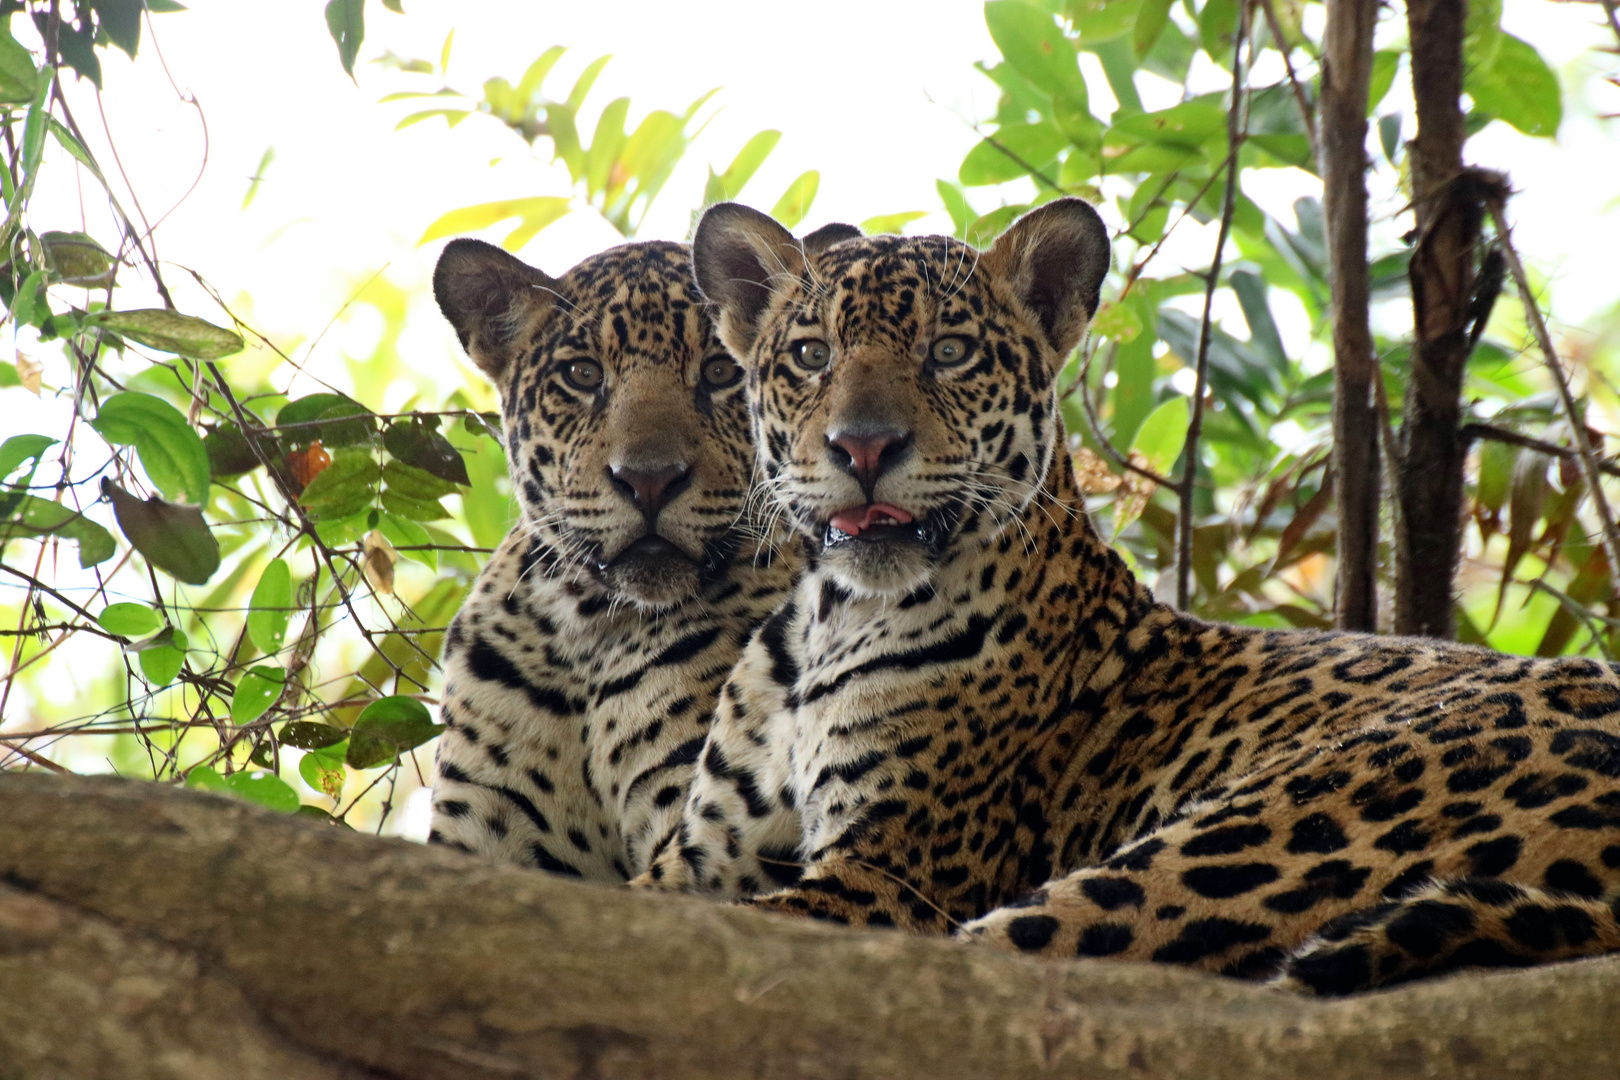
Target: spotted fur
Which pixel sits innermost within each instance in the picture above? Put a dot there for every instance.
(581, 673)
(987, 725)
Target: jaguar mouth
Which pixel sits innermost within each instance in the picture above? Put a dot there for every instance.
(875, 523)
(651, 548)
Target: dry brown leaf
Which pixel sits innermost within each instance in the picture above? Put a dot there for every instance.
(1092, 473)
(378, 559)
(29, 371)
(1131, 498)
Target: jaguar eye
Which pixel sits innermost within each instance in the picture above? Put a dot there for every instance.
(812, 353)
(583, 374)
(950, 351)
(720, 371)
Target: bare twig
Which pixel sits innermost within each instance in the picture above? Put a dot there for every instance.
(1494, 433)
(1185, 485)
(1577, 427)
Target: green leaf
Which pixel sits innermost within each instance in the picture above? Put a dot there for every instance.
(387, 728)
(129, 620)
(1497, 461)
(17, 72)
(419, 445)
(202, 778)
(309, 735)
(1162, 434)
(350, 421)
(228, 452)
(1033, 44)
(1151, 18)
(257, 178)
(891, 223)
(77, 149)
(984, 230)
(795, 202)
(395, 6)
(171, 452)
(161, 665)
(29, 296)
(76, 259)
(20, 448)
(729, 184)
(1518, 88)
(1116, 321)
(1384, 64)
(175, 539)
(32, 516)
(956, 204)
(1191, 124)
(414, 509)
(533, 214)
(270, 607)
(259, 688)
(322, 768)
(343, 488)
(170, 331)
(265, 788)
(1217, 24)
(414, 483)
(346, 21)
(404, 534)
(120, 20)
(1012, 152)
(36, 124)
(1103, 20)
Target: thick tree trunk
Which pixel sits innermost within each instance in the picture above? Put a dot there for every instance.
(153, 932)
(1347, 54)
(1449, 213)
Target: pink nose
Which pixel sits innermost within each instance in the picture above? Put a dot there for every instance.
(650, 490)
(866, 453)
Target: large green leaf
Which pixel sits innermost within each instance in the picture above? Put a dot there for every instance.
(129, 620)
(418, 444)
(345, 487)
(20, 448)
(1518, 88)
(270, 607)
(1161, 435)
(387, 728)
(175, 539)
(258, 689)
(346, 21)
(162, 658)
(36, 517)
(1012, 152)
(1032, 42)
(171, 452)
(262, 787)
(170, 331)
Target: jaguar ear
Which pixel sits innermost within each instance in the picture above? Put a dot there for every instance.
(492, 299)
(1055, 258)
(825, 237)
(737, 255)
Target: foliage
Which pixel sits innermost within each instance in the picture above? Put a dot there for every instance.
(1263, 533)
(269, 576)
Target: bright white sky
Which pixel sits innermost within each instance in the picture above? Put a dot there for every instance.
(877, 94)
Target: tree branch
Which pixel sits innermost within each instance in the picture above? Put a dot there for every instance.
(425, 964)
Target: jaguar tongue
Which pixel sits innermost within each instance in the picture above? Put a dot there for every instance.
(854, 520)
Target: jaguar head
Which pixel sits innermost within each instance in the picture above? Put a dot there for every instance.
(626, 426)
(902, 388)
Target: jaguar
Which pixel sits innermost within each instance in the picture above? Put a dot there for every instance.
(581, 673)
(970, 716)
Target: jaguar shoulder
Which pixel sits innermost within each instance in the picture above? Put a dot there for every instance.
(970, 715)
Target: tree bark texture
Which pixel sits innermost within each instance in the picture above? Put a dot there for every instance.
(1347, 53)
(148, 931)
(1449, 214)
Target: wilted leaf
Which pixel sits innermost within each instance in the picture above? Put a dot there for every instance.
(259, 688)
(175, 539)
(76, 259)
(377, 561)
(1092, 473)
(269, 609)
(322, 768)
(388, 727)
(170, 331)
(29, 372)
